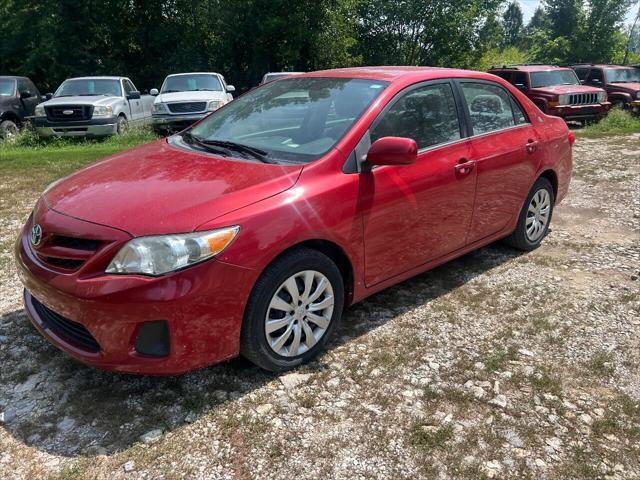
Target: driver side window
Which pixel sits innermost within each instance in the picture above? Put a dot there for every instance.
(427, 114)
(128, 87)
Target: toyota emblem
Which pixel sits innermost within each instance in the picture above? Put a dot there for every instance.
(36, 235)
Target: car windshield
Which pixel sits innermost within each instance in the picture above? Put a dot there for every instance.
(623, 75)
(191, 83)
(295, 120)
(554, 77)
(7, 87)
(89, 87)
(269, 77)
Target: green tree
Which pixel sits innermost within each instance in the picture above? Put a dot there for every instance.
(512, 21)
(600, 37)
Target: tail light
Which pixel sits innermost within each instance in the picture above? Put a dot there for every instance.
(572, 138)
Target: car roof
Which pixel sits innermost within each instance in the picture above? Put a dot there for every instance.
(193, 73)
(531, 68)
(284, 73)
(12, 77)
(393, 73)
(97, 78)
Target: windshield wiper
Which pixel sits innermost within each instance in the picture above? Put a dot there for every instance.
(193, 140)
(253, 151)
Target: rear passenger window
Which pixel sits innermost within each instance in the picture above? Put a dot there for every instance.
(489, 107)
(427, 114)
(518, 113)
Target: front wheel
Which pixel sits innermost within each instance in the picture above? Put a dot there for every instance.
(123, 124)
(294, 308)
(535, 217)
(8, 129)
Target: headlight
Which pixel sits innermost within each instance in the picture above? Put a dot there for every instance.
(563, 99)
(214, 105)
(602, 97)
(159, 108)
(40, 111)
(102, 111)
(160, 254)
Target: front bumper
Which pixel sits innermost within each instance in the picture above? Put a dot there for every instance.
(176, 122)
(594, 111)
(98, 127)
(203, 306)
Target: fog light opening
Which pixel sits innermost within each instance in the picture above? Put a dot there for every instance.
(153, 339)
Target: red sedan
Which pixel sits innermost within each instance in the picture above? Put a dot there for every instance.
(250, 232)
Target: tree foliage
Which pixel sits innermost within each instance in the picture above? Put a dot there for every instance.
(512, 20)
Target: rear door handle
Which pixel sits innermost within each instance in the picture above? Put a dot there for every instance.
(531, 146)
(464, 167)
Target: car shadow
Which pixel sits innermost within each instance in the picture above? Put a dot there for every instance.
(59, 406)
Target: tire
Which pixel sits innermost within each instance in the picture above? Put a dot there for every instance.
(257, 344)
(523, 238)
(8, 128)
(123, 125)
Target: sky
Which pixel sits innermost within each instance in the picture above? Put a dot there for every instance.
(529, 6)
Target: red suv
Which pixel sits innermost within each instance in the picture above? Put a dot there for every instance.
(557, 91)
(251, 231)
(621, 83)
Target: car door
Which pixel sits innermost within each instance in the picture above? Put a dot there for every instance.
(504, 146)
(31, 99)
(135, 105)
(419, 212)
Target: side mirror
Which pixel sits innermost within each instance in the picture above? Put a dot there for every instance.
(25, 94)
(231, 88)
(582, 82)
(520, 86)
(154, 92)
(48, 96)
(393, 151)
(134, 95)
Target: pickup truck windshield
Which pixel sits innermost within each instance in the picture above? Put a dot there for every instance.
(623, 75)
(7, 87)
(191, 83)
(90, 88)
(553, 78)
(294, 120)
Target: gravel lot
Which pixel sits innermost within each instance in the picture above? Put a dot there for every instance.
(497, 365)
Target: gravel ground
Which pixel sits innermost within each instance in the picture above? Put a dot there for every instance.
(496, 365)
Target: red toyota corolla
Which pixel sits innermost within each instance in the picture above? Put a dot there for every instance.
(251, 231)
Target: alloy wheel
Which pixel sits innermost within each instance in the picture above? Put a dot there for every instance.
(299, 313)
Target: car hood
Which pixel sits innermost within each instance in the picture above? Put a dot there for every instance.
(562, 89)
(81, 100)
(159, 188)
(190, 97)
(634, 87)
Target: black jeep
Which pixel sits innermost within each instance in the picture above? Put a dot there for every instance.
(18, 100)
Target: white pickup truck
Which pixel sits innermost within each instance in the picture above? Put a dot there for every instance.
(92, 107)
(185, 98)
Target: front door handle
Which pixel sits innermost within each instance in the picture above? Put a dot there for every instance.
(464, 167)
(531, 146)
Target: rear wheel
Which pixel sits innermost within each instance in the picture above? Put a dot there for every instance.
(294, 308)
(535, 217)
(8, 128)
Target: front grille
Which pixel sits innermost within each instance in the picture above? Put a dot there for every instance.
(73, 112)
(583, 98)
(66, 253)
(69, 330)
(190, 107)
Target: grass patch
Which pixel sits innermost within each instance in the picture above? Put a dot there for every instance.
(602, 363)
(499, 358)
(618, 122)
(430, 438)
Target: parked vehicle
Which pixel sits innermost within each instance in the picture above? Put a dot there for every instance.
(18, 100)
(250, 232)
(557, 91)
(271, 76)
(93, 107)
(622, 84)
(185, 98)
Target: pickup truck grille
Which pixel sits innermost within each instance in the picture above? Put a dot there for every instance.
(583, 99)
(187, 107)
(69, 112)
